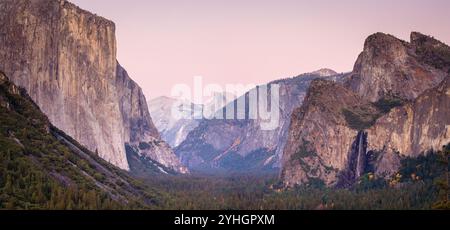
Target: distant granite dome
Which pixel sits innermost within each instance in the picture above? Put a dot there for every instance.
(324, 72)
(173, 130)
(65, 58)
(240, 144)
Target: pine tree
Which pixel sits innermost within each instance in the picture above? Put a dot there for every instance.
(443, 183)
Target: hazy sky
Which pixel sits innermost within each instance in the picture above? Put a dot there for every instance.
(166, 42)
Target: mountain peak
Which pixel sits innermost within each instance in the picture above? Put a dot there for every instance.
(431, 51)
(420, 40)
(392, 103)
(162, 99)
(389, 66)
(324, 72)
(383, 42)
(417, 37)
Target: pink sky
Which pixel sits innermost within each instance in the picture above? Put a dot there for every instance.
(166, 42)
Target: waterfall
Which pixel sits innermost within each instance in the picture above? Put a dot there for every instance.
(361, 154)
(357, 161)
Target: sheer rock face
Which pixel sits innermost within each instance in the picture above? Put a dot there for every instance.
(241, 145)
(391, 67)
(65, 58)
(138, 125)
(414, 128)
(321, 135)
(136, 117)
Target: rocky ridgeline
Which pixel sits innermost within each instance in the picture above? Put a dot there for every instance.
(65, 58)
(398, 96)
(240, 145)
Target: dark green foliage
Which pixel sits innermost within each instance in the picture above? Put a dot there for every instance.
(316, 183)
(42, 168)
(359, 119)
(142, 167)
(144, 146)
(263, 192)
(26, 155)
(369, 182)
(443, 182)
(305, 154)
(426, 167)
(255, 160)
(386, 104)
(302, 152)
(433, 53)
(433, 168)
(363, 117)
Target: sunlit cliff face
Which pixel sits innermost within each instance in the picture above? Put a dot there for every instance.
(254, 41)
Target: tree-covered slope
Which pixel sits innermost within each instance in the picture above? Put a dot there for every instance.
(42, 168)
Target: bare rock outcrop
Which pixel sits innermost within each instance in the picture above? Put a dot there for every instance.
(65, 58)
(394, 104)
(389, 66)
(241, 144)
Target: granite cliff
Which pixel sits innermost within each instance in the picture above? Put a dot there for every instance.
(140, 133)
(43, 168)
(394, 104)
(65, 58)
(391, 67)
(412, 129)
(241, 145)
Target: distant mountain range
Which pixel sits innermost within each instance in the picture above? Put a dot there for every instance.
(220, 145)
(78, 128)
(172, 129)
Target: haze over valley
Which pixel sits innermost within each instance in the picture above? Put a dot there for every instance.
(82, 130)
